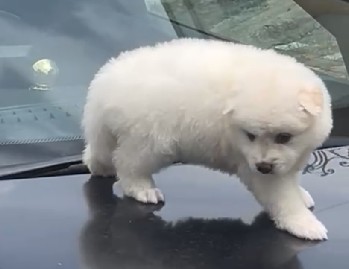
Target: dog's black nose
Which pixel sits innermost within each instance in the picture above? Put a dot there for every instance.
(264, 168)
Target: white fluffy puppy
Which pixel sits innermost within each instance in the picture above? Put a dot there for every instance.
(233, 108)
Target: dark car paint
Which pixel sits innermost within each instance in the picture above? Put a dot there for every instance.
(209, 220)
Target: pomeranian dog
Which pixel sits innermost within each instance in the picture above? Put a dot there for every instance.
(229, 107)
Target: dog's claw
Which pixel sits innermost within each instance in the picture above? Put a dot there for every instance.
(151, 196)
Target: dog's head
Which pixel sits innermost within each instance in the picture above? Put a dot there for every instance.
(278, 120)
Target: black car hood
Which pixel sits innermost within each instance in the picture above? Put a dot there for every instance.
(209, 220)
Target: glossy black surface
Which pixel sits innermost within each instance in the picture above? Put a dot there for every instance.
(209, 220)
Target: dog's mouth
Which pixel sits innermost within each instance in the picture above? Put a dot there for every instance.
(272, 173)
(266, 173)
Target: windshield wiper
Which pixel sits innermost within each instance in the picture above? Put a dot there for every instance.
(73, 164)
(60, 166)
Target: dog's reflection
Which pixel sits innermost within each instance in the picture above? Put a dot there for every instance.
(122, 233)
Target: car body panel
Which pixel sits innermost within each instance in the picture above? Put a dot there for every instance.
(209, 220)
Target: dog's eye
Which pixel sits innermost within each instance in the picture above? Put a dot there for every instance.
(250, 136)
(282, 138)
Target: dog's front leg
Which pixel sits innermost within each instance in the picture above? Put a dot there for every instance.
(307, 199)
(282, 200)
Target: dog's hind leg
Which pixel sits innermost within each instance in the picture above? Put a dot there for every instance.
(135, 163)
(97, 155)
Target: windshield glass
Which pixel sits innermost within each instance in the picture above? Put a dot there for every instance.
(50, 50)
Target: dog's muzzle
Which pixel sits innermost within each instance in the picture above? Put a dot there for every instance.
(264, 168)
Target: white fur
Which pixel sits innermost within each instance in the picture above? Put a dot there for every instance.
(192, 101)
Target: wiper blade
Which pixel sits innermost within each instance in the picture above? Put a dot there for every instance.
(60, 166)
(73, 164)
(335, 141)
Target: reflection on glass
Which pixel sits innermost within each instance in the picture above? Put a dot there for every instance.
(45, 72)
(279, 24)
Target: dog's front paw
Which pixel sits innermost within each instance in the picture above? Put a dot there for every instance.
(305, 226)
(149, 196)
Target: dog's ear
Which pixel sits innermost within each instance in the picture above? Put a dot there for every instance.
(311, 100)
(229, 107)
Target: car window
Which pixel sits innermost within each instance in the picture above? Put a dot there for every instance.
(279, 24)
(50, 50)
